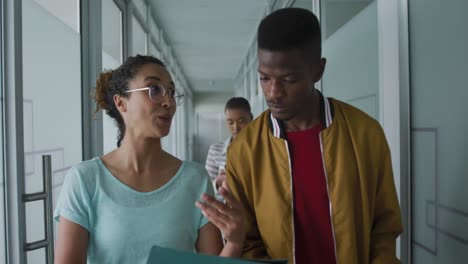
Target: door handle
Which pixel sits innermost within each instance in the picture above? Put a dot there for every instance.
(46, 196)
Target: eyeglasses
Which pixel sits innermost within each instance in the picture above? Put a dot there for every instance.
(157, 92)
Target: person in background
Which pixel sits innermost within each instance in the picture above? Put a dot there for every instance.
(313, 173)
(238, 115)
(114, 208)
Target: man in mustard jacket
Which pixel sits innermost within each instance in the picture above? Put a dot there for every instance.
(313, 173)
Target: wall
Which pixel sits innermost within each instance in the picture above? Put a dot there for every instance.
(67, 11)
(439, 125)
(352, 70)
(335, 14)
(109, 128)
(112, 49)
(209, 123)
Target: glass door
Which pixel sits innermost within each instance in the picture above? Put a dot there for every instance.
(52, 109)
(439, 126)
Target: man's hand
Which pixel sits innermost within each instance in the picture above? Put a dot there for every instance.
(228, 217)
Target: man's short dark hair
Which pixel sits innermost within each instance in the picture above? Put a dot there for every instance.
(290, 28)
(238, 103)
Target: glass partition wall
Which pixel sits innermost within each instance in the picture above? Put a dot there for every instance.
(51, 103)
(439, 126)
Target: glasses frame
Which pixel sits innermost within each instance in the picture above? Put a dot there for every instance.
(178, 98)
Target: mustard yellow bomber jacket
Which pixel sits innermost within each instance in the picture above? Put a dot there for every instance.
(364, 207)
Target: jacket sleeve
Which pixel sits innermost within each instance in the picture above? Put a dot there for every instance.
(254, 248)
(387, 224)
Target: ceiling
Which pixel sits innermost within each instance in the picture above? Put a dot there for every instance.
(209, 37)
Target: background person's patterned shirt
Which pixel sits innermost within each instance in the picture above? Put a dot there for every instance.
(215, 159)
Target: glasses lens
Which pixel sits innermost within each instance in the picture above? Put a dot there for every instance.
(156, 92)
(178, 97)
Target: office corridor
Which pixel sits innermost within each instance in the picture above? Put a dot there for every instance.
(402, 62)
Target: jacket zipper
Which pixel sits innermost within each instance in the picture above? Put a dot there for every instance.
(329, 199)
(292, 202)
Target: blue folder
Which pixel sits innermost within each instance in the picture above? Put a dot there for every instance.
(160, 255)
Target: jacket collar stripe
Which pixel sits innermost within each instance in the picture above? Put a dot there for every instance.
(277, 128)
(327, 112)
(274, 126)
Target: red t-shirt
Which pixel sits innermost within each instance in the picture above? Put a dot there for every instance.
(312, 224)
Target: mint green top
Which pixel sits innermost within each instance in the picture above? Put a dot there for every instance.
(124, 224)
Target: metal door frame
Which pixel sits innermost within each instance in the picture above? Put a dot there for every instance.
(13, 131)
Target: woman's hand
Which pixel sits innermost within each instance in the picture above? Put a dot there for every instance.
(228, 217)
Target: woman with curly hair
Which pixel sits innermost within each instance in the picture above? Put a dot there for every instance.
(114, 208)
